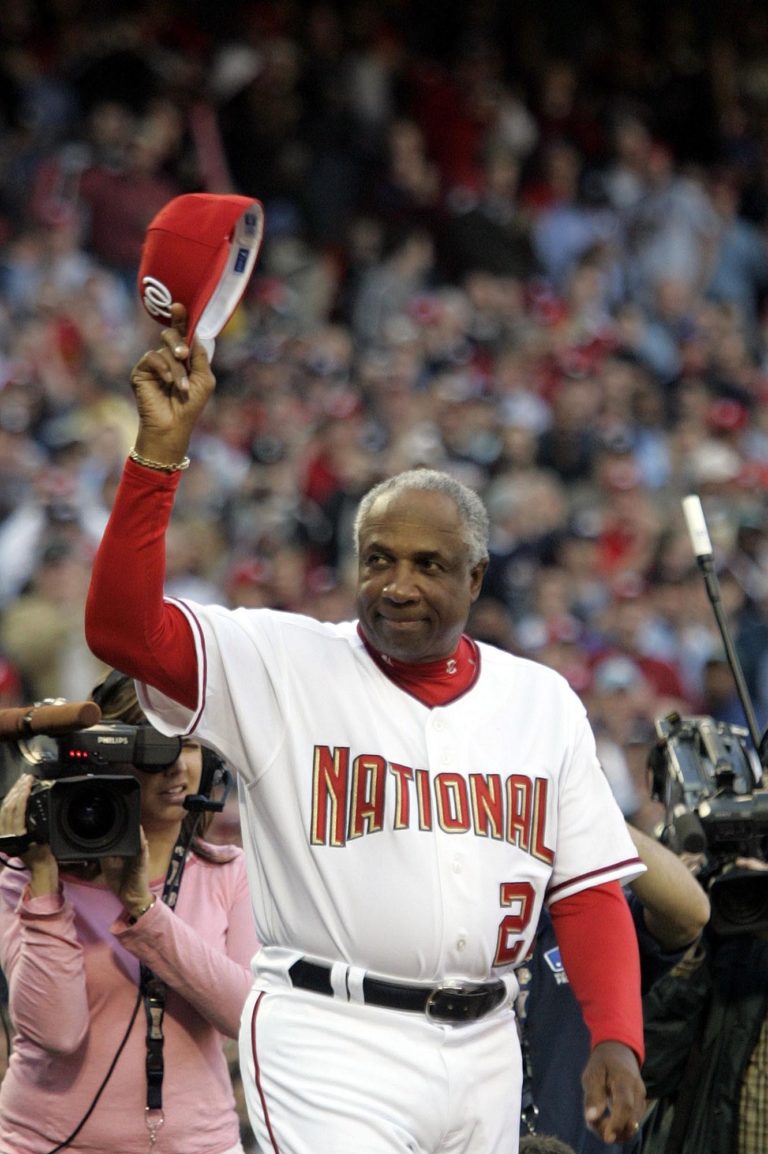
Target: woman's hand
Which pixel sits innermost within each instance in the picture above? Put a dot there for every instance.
(128, 877)
(42, 865)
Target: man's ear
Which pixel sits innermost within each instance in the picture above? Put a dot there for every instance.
(476, 575)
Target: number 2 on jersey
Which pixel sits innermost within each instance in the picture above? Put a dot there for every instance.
(518, 897)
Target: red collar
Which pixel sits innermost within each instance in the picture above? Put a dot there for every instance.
(434, 682)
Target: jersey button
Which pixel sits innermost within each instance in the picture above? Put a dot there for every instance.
(461, 943)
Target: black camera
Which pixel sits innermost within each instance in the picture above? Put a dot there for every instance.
(79, 808)
(703, 773)
(84, 817)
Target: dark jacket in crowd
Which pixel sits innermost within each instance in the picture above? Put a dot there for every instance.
(702, 1021)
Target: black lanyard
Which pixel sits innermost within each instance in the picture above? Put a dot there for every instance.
(153, 988)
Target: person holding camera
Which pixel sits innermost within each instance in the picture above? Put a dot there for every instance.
(706, 1021)
(126, 974)
(670, 910)
(706, 1025)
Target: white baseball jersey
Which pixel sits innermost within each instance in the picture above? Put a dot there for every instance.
(414, 842)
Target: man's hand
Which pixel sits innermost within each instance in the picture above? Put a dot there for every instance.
(614, 1094)
(172, 385)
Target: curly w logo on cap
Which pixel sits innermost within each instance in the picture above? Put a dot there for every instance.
(200, 250)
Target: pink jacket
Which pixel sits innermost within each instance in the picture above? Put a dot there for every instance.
(72, 966)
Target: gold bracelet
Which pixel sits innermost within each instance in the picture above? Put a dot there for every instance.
(133, 918)
(176, 467)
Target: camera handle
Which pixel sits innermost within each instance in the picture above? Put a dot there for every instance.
(702, 549)
(51, 717)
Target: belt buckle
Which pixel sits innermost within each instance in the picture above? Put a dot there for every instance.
(478, 999)
(432, 1007)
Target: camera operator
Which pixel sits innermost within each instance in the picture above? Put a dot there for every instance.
(125, 974)
(706, 1031)
(669, 910)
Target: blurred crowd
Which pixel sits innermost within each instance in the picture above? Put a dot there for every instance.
(525, 243)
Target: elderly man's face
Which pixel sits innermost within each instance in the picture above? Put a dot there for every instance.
(415, 582)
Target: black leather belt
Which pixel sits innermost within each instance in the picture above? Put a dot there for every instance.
(450, 1001)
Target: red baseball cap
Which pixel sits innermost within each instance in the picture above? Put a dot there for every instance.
(200, 250)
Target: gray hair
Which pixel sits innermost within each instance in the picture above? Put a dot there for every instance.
(470, 508)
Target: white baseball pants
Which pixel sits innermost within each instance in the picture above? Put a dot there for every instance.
(325, 1076)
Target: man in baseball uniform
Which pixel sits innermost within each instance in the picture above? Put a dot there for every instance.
(410, 800)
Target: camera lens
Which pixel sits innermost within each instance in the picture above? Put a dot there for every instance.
(94, 816)
(89, 817)
(739, 900)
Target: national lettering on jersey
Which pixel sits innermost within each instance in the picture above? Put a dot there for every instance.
(350, 796)
(353, 796)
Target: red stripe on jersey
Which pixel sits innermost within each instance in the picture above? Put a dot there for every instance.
(197, 630)
(596, 873)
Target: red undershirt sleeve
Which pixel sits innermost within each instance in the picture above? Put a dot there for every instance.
(598, 948)
(128, 625)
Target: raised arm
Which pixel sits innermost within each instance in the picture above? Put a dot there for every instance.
(127, 623)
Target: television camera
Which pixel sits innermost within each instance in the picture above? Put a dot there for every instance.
(703, 772)
(85, 803)
(708, 776)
